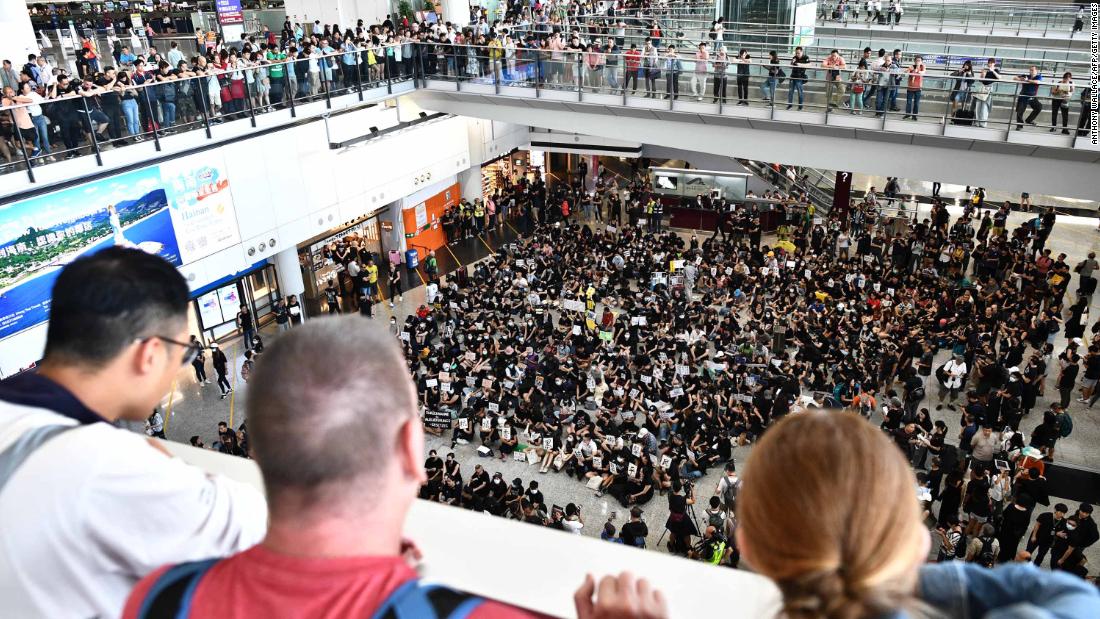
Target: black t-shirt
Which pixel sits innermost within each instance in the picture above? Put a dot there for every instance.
(534, 496)
(497, 488)
(478, 479)
(634, 530)
(1045, 534)
(431, 465)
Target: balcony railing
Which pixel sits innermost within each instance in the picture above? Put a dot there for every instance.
(165, 105)
(538, 568)
(612, 80)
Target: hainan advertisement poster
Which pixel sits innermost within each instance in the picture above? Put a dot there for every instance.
(182, 216)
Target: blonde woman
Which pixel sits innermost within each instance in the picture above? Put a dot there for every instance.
(828, 509)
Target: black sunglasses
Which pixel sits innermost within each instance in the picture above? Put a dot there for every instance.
(191, 350)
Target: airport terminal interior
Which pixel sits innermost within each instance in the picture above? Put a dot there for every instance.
(611, 257)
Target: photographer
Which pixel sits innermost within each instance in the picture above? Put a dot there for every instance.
(680, 525)
(712, 548)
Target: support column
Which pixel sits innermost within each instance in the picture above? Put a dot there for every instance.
(471, 183)
(457, 12)
(17, 38)
(289, 271)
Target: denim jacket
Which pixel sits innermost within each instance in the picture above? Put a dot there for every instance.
(1016, 591)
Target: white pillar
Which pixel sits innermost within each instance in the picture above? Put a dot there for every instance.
(289, 272)
(17, 39)
(471, 183)
(457, 12)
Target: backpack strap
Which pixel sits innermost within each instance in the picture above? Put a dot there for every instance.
(172, 593)
(415, 600)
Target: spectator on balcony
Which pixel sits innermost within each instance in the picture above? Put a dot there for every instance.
(914, 88)
(341, 453)
(1027, 97)
(798, 77)
(76, 489)
(802, 537)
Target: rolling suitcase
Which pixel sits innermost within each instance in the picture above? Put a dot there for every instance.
(964, 117)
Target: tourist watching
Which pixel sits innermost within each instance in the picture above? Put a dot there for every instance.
(802, 537)
(88, 509)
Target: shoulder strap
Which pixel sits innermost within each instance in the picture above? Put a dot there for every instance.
(171, 595)
(17, 453)
(415, 600)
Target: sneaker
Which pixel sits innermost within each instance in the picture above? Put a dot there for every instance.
(789, 106)
(1065, 131)
(224, 396)
(1082, 400)
(391, 304)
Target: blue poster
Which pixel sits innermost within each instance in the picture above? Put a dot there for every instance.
(41, 235)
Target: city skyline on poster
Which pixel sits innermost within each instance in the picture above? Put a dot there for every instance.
(179, 211)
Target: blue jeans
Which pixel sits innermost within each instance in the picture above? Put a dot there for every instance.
(880, 100)
(768, 88)
(41, 133)
(168, 111)
(796, 85)
(912, 102)
(130, 111)
(893, 97)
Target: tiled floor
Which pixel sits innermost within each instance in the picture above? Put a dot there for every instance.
(195, 410)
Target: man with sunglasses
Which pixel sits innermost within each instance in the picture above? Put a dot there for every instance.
(88, 509)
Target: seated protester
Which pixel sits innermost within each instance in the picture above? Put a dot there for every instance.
(513, 500)
(477, 490)
(798, 536)
(463, 431)
(509, 438)
(358, 470)
(498, 489)
(433, 469)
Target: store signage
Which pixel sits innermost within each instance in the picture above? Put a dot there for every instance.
(229, 12)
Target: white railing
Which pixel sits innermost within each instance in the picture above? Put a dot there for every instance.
(538, 568)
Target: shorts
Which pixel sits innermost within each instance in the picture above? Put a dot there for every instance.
(1025, 195)
(29, 135)
(1088, 383)
(976, 518)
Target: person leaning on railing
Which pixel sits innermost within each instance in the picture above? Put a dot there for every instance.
(823, 570)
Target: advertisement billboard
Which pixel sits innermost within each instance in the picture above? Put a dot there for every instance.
(179, 213)
(229, 12)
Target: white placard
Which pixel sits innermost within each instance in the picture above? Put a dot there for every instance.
(647, 379)
(506, 433)
(636, 449)
(613, 468)
(597, 461)
(675, 393)
(631, 469)
(548, 443)
(431, 382)
(463, 424)
(494, 407)
(666, 461)
(576, 329)
(790, 264)
(486, 424)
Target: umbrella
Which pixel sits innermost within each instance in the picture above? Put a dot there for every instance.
(786, 245)
(1031, 452)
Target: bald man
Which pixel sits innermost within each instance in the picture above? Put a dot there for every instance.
(340, 447)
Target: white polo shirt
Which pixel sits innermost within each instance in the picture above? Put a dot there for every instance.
(92, 510)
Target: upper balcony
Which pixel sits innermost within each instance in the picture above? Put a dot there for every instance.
(815, 122)
(1050, 21)
(825, 124)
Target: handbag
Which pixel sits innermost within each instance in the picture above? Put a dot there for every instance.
(981, 91)
(857, 88)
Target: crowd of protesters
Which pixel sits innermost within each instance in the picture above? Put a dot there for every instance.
(636, 361)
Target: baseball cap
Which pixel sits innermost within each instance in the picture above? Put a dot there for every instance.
(636, 511)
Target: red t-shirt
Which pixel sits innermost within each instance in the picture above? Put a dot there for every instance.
(261, 583)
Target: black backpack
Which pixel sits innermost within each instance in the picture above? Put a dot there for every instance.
(985, 555)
